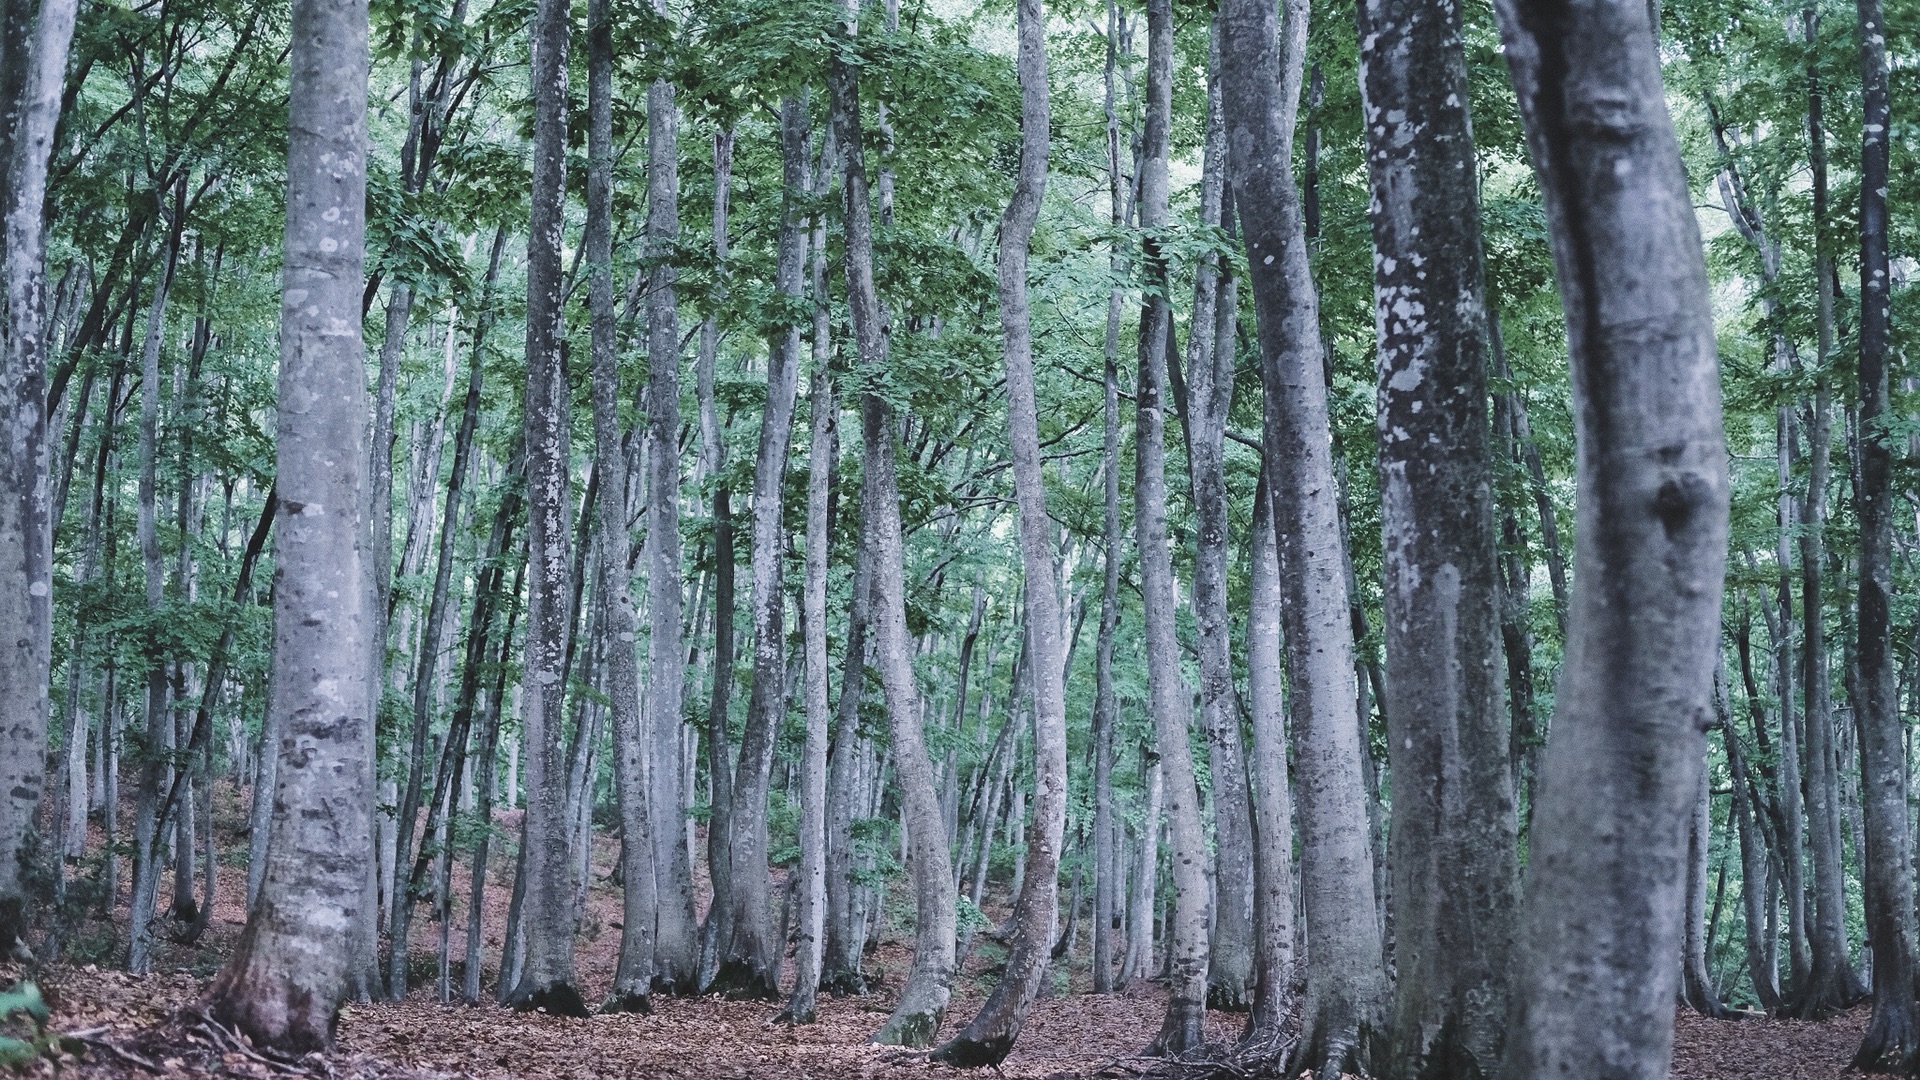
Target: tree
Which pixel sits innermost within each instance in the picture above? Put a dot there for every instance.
(1181, 1030)
(750, 960)
(923, 1001)
(990, 1035)
(1603, 918)
(283, 984)
(676, 952)
(547, 912)
(1892, 1042)
(32, 58)
(1261, 58)
(1455, 880)
(633, 980)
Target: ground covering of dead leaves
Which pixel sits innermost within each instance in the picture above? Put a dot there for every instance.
(117, 1025)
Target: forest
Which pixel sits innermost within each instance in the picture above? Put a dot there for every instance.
(1179, 539)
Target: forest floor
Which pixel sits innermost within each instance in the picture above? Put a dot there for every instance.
(134, 1026)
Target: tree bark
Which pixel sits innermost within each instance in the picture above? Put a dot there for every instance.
(676, 948)
(1454, 868)
(633, 975)
(809, 937)
(923, 1000)
(283, 984)
(750, 960)
(1892, 1042)
(547, 913)
(1204, 412)
(1273, 963)
(158, 738)
(1602, 921)
(1107, 898)
(991, 1034)
(1182, 1028)
(1262, 57)
(716, 932)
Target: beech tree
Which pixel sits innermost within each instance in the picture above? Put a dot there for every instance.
(1455, 881)
(35, 55)
(1634, 699)
(283, 985)
(547, 912)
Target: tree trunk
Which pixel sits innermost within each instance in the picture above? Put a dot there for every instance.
(1607, 850)
(1832, 984)
(1182, 1029)
(35, 59)
(1455, 875)
(750, 960)
(1139, 959)
(547, 913)
(990, 1035)
(155, 771)
(676, 950)
(807, 947)
(1204, 412)
(1107, 894)
(633, 977)
(717, 931)
(1696, 982)
(923, 1001)
(282, 986)
(1892, 1042)
(489, 767)
(1272, 802)
(1261, 65)
(840, 962)
(1756, 873)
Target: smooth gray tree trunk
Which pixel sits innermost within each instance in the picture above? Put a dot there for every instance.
(810, 920)
(923, 1000)
(633, 975)
(155, 771)
(1603, 919)
(1892, 1042)
(29, 113)
(676, 948)
(750, 958)
(1183, 1027)
(991, 1034)
(1204, 413)
(282, 986)
(1262, 60)
(1273, 955)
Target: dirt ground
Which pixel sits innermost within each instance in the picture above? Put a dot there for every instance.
(132, 1026)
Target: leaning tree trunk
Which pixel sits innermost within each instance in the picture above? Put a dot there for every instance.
(283, 985)
(1603, 921)
(35, 59)
(1892, 1041)
(547, 912)
(923, 1000)
(990, 1035)
(1455, 875)
(1261, 58)
(676, 948)
(750, 959)
(633, 976)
